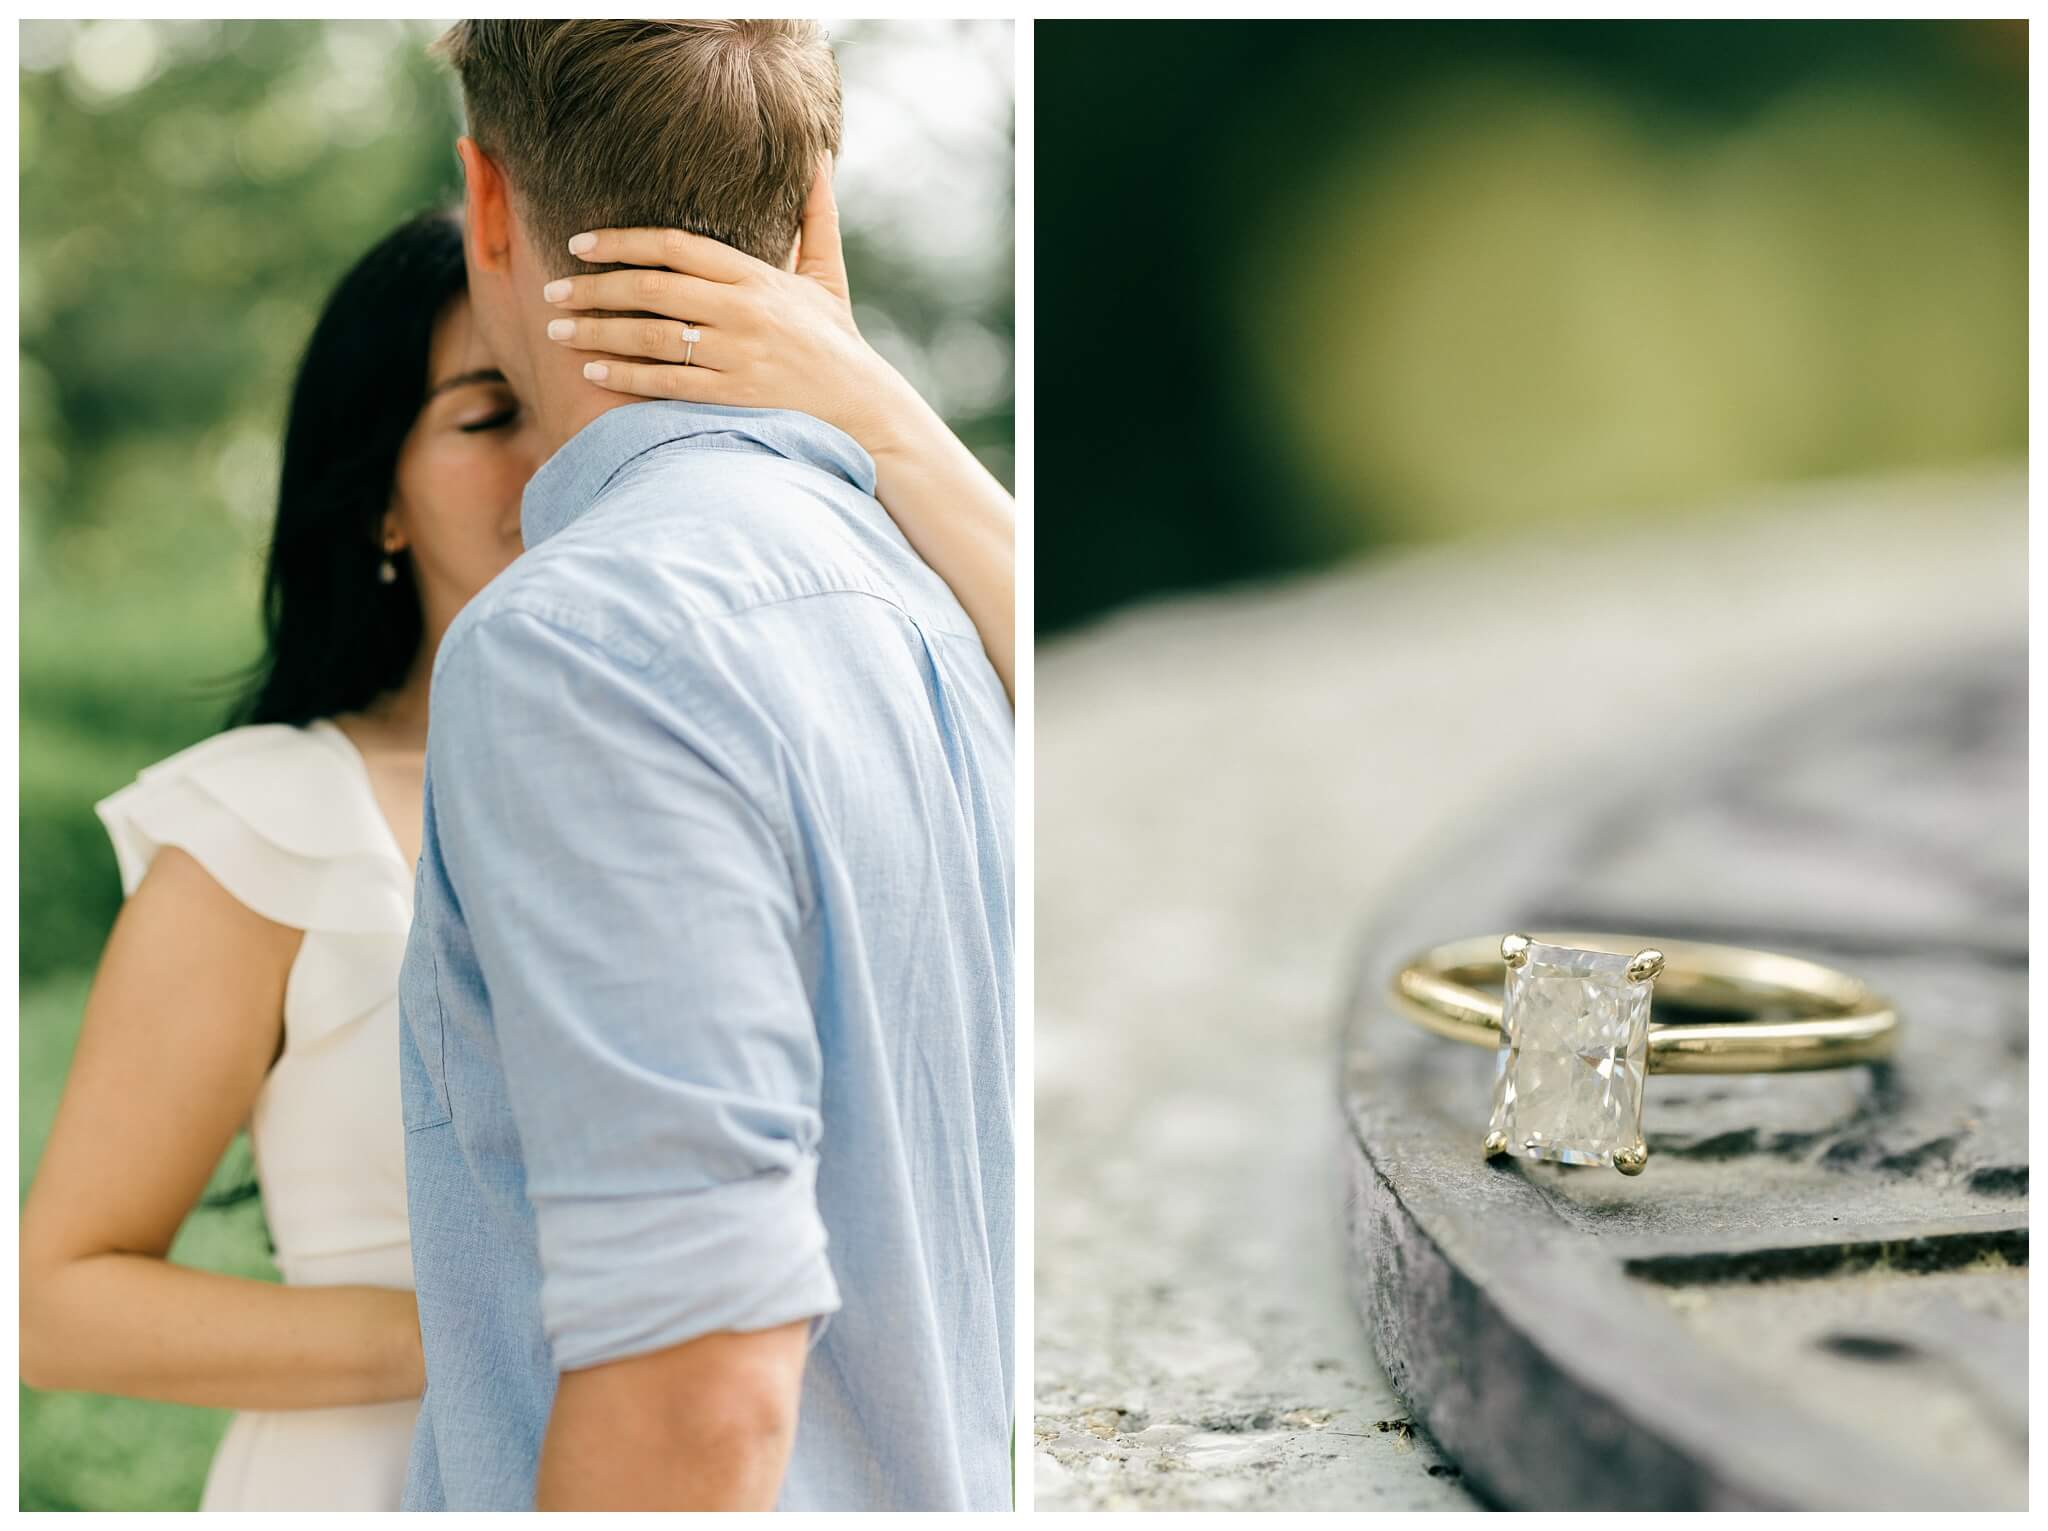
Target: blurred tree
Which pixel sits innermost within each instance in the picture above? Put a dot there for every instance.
(1313, 287)
(189, 193)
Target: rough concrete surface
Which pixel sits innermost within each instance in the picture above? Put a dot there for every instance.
(1226, 787)
(1868, 826)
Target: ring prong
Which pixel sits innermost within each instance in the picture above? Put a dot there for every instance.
(1632, 1161)
(1645, 965)
(1514, 950)
(1496, 1144)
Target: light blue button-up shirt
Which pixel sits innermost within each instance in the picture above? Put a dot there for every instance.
(708, 1004)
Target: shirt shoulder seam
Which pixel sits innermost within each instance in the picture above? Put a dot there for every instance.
(517, 604)
(787, 840)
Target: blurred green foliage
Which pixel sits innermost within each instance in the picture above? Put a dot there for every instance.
(190, 192)
(1310, 288)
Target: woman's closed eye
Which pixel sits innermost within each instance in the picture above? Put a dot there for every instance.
(493, 422)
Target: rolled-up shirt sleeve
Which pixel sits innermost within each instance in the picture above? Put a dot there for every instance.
(636, 918)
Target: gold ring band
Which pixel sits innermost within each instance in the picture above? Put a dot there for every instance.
(1569, 1018)
(1810, 1017)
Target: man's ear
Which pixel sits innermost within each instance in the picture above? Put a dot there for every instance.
(488, 227)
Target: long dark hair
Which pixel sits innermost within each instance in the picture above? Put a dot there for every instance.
(335, 635)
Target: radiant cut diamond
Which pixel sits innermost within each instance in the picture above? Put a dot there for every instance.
(1574, 1042)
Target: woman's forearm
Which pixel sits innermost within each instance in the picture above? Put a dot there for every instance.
(956, 515)
(140, 1327)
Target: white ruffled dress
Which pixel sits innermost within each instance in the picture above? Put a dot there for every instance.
(286, 820)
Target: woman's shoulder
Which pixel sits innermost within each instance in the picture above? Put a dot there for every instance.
(284, 781)
(271, 742)
(279, 815)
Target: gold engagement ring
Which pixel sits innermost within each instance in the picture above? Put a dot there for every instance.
(1569, 1020)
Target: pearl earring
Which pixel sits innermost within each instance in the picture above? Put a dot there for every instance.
(387, 571)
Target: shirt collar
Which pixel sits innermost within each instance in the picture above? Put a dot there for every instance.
(570, 481)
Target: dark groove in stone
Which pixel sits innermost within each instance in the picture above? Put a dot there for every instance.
(1868, 1347)
(2000, 1180)
(1845, 1154)
(1936, 1151)
(1936, 1252)
(1790, 1145)
(1722, 1145)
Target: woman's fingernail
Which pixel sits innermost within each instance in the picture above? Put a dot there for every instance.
(554, 292)
(581, 243)
(561, 329)
(596, 371)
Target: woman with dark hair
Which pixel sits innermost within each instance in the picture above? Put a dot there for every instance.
(252, 975)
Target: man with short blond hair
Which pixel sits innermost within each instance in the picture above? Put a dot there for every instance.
(708, 1004)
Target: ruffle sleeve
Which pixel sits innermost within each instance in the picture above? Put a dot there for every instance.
(287, 823)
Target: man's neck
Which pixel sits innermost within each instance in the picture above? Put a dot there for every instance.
(565, 401)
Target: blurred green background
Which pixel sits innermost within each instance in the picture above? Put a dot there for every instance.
(1309, 289)
(190, 192)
